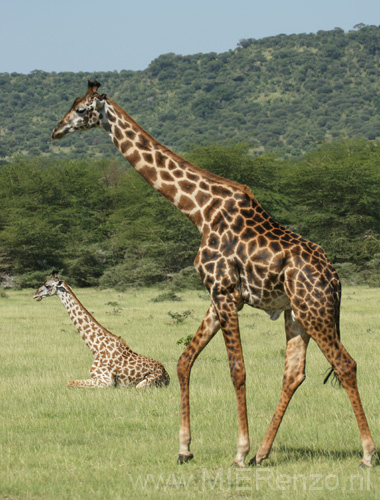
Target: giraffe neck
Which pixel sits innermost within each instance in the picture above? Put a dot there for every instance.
(92, 333)
(186, 186)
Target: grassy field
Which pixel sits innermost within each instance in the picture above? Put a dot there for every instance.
(59, 443)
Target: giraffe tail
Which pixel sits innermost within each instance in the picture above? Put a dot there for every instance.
(337, 293)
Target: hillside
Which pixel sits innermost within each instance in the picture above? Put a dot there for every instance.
(281, 94)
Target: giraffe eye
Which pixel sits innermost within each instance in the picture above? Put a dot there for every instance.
(81, 111)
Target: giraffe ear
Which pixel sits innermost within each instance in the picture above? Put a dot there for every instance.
(92, 87)
(99, 101)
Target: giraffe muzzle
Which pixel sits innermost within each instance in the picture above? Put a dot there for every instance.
(59, 132)
(56, 134)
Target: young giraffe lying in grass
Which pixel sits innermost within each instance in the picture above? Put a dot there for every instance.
(115, 363)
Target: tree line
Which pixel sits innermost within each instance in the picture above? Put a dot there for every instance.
(285, 94)
(99, 223)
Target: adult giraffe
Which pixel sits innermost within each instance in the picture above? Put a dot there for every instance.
(245, 257)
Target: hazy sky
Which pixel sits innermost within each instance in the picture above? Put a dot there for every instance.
(108, 35)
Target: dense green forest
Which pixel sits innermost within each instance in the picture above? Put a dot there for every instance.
(284, 94)
(99, 223)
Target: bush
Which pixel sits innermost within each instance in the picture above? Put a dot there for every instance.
(349, 273)
(33, 279)
(187, 278)
(133, 272)
(372, 273)
(86, 269)
(169, 296)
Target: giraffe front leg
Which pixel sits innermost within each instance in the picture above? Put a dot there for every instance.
(101, 377)
(90, 383)
(294, 374)
(208, 328)
(228, 315)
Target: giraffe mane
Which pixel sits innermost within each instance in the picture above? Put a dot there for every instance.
(121, 340)
(205, 173)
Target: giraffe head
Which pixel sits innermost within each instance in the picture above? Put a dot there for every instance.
(50, 287)
(85, 113)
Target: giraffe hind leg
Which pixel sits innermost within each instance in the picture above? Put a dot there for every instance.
(318, 312)
(345, 368)
(91, 383)
(324, 331)
(294, 374)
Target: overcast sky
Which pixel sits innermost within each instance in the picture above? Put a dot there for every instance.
(108, 35)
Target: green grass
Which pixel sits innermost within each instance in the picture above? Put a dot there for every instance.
(60, 443)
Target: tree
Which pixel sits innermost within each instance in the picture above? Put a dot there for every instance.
(336, 191)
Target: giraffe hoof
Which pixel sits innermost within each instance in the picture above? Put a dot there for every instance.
(182, 459)
(363, 465)
(254, 462)
(241, 465)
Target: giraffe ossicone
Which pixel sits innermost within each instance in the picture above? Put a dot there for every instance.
(115, 364)
(245, 257)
